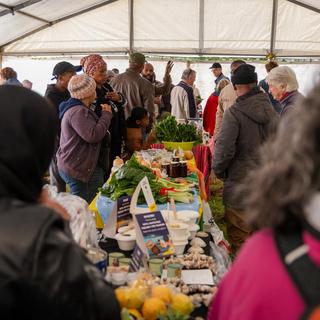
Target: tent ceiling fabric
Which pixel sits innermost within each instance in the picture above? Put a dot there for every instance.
(312, 3)
(303, 24)
(248, 31)
(163, 26)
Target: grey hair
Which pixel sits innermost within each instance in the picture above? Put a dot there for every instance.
(283, 76)
(187, 73)
(222, 83)
(289, 172)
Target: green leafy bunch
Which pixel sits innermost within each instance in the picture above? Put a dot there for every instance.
(170, 130)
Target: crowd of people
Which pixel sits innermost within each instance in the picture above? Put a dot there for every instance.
(266, 151)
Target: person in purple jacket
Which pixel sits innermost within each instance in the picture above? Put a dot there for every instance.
(277, 272)
(283, 86)
(82, 132)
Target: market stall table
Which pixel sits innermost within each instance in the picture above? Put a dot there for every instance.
(110, 245)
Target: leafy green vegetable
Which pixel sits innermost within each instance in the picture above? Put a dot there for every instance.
(126, 179)
(170, 130)
(172, 315)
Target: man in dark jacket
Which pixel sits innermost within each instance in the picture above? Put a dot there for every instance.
(57, 93)
(245, 127)
(216, 69)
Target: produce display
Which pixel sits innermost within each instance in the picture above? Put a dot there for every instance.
(179, 286)
(151, 297)
(126, 178)
(170, 130)
(194, 261)
(147, 298)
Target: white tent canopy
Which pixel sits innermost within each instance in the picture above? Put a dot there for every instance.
(228, 27)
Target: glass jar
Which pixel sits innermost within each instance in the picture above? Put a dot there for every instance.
(165, 166)
(174, 169)
(183, 169)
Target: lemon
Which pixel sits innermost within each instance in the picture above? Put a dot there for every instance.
(162, 292)
(152, 308)
(188, 155)
(135, 298)
(121, 297)
(182, 304)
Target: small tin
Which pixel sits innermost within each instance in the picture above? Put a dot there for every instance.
(124, 261)
(114, 258)
(155, 266)
(174, 270)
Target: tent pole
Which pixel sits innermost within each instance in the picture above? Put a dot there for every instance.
(304, 5)
(274, 26)
(1, 57)
(51, 23)
(131, 31)
(201, 25)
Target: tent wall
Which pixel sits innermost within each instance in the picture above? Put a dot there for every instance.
(242, 29)
(236, 27)
(298, 30)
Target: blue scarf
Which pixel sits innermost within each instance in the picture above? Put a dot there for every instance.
(192, 103)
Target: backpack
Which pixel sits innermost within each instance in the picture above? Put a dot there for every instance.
(304, 273)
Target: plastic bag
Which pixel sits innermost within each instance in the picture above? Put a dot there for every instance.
(213, 228)
(222, 259)
(220, 247)
(82, 222)
(207, 213)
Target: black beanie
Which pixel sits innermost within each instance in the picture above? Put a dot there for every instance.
(244, 74)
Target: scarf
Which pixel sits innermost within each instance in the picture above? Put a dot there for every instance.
(192, 103)
(92, 63)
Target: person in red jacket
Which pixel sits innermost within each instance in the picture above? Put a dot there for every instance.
(209, 113)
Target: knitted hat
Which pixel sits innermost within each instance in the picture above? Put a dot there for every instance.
(244, 74)
(81, 86)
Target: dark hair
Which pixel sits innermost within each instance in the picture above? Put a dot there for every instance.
(237, 62)
(137, 113)
(8, 73)
(289, 172)
(115, 70)
(270, 65)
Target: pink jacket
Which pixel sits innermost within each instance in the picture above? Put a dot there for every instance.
(258, 286)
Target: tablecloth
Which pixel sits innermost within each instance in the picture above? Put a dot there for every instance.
(105, 205)
(203, 157)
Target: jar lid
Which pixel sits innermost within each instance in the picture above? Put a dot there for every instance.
(125, 237)
(116, 255)
(155, 261)
(175, 266)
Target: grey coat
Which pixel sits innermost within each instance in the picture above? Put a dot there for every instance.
(245, 126)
